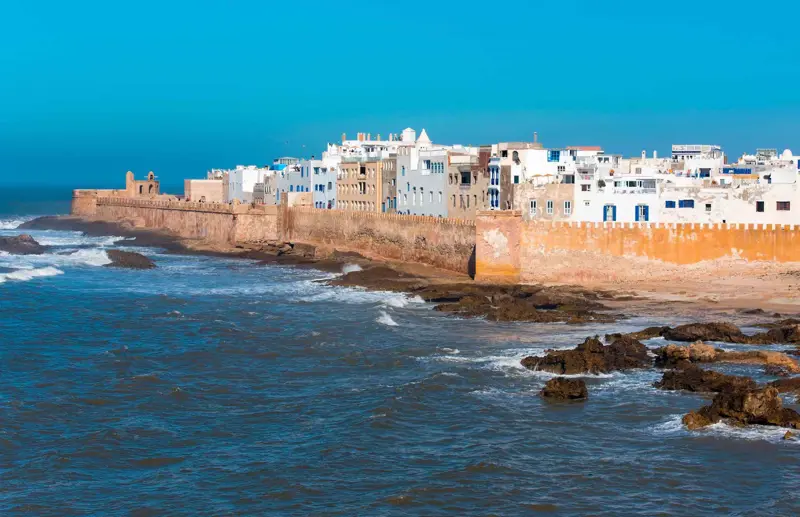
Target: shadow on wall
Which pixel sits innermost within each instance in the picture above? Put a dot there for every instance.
(471, 264)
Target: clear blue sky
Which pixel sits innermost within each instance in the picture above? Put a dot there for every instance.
(89, 89)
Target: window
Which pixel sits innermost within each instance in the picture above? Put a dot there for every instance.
(586, 188)
(393, 182)
(708, 207)
(403, 170)
(686, 203)
(504, 154)
(330, 185)
(642, 213)
(610, 213)
(669, 204)
(454, 200)
(587, 203)
(405, 199)
(430, 196)
(567, 207)
(549, 207)
(516, 180)
(759, 206)
(533, 208)
(440, 196)
(783, 206)
(553, 156)
(562, 168)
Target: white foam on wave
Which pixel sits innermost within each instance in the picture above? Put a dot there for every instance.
(67, 239)
(23, 275)
(385, 319)
(82, 257)
(350, 268)
(674, 427)
(13, 223)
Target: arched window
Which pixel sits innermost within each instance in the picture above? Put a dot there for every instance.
(150, 189)
(141, 189)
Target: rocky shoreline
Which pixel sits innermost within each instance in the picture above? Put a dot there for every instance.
(737, 400)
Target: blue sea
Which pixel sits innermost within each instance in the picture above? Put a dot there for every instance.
(213, 386)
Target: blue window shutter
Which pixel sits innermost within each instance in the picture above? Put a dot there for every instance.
(646, 212)
(636, 215)
(605, 213)
(614, 214)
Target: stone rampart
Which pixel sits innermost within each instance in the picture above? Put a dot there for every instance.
(510, 249)
(440, 242)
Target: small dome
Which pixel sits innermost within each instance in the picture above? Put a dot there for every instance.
(787, 154)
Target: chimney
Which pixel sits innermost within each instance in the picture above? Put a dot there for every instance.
(379, 137)
(369, 136)
(344, 137)
(644, 154)
(535, 137)
(655, 154)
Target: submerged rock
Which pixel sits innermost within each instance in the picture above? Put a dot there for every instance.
(129, 259)
(21, 245)
(592, 356)
(561, 388)
(752, 406)
(696, 379)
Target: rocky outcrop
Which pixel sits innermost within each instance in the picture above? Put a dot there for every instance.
(648, 333)
(561, 388)
(696, 379)
(725, 332)
(21, 245)
(676, 356)
(752, 406)
(592, 356)
(129, 260)
(789, 385)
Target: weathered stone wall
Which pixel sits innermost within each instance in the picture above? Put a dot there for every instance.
(439, 242)
(497, 241)
(84, 203)
(214, 222)
(512, 250)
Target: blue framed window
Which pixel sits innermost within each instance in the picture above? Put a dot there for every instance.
(669, 204)
(291, 188)
(553, 156)
(686, 203)
(403, 170)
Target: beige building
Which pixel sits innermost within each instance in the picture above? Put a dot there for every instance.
(551, 202)
(467, 185)
(208, 191)
(360, 185)
(149, 187)
(389, 189)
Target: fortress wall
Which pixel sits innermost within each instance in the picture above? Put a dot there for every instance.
(444, 243)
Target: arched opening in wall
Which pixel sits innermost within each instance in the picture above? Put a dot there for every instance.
(150, 189)
(151, 176)
(141, 189)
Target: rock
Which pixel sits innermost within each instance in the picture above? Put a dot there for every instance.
(592, 356)
(676, 356)
(745, 407)
(692, 378)
(21, 245)
(648, 333)
(725, 332)
(775, 370)
(561, 388)
(789, 435)
(786, 385)
(771, 359)
(129, 259)
(695, 420)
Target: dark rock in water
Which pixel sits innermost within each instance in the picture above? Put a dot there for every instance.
(692, 378)
(560, 388)
(592, 356)
(129, 259)
(752, 406)
(789, 385)
(789, 435)
(777, 371)
(725, 332)
(648, 333)
(21, 245)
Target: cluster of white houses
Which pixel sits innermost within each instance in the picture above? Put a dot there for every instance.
(407, 173)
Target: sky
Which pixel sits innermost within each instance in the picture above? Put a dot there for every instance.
(90, 89)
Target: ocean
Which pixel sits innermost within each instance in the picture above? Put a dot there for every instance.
(213, 386)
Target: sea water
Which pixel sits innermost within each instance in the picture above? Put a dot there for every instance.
(212, 386)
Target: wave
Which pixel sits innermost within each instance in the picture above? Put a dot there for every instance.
(23, 275)
(14, 222)
(350, 268)
(674, 427)
(385, 319)
(82, 257)
(67, 239)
